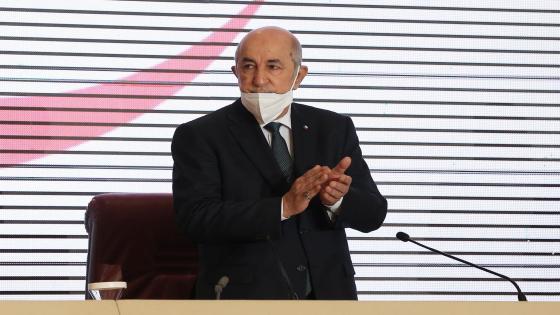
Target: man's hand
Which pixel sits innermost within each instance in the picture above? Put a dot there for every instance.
(303, 189)
(338, 183)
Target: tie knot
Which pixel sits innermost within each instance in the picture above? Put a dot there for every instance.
(273, 127)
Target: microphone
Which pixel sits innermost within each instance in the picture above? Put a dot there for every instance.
(285, 276)
(405, 238)
(220, 285)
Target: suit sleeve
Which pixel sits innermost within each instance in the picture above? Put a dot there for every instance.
(201, 212)
(363, 208)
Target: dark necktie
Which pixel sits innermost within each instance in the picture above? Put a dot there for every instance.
(280, 150)
(284, 160)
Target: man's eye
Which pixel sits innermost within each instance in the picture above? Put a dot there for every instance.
(248, 66)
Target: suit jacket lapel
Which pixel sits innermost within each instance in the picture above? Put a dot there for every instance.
(250, 138)
(303, 136)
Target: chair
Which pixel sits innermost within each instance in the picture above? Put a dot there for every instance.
(133, 238)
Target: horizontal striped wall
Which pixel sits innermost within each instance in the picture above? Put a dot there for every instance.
(456, 104)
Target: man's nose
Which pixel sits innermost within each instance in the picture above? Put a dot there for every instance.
(259, 78)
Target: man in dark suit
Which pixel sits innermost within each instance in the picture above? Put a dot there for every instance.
(266, 186)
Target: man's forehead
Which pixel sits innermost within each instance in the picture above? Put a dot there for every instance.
(261, 53)
(264, 47)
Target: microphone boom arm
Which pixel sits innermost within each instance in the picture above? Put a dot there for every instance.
(520, 295)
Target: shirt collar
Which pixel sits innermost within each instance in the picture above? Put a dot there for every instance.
(285, 120)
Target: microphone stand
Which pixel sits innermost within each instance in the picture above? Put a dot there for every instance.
(520, 295)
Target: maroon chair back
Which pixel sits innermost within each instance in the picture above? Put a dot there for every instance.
(133, 238)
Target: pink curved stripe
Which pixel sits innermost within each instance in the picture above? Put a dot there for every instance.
(100, 103)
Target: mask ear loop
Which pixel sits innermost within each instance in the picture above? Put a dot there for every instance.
(295, 78)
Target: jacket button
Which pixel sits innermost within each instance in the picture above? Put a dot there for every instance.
(302, 232)
(301, 268)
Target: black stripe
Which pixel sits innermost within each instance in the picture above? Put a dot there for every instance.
(119, 82)
(371, 157)
(84, 152)
(43, 251)
(517, 254)
(444, 293)
(212, 84)
(508, 172)
(523, 118)
(28, 222)
(379, 183)
(373, 170)
(315, 46)
(77, 166)
(471, 198)
(126, 41)
(454, 279)
(458, 265)
(306, 100)
(118, 96)
(512, 132)
(33, 236)
(330, 87)
(450, 144)
(390, 62)
(66, 293)
(461, 184)
(243, 30)
(457, 239)
(65, 68)
(54, 68)
(85, 138)
(424, 144)
(432, 63)
(185, 43)
(434, 75)
(42, 263)
(93, 179)
(279, 3)
(452, 158)
(40, 207)
(39, 67)
(41, 278)
(483, 212)
(204, 112)
(102, 110)
(472, 225)
(52, 193)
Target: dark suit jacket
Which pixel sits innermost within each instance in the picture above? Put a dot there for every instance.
(227, 191)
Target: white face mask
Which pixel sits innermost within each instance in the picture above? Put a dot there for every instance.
(267, 106)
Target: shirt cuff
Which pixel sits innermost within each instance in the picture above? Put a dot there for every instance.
(334, 209)
(282, 217)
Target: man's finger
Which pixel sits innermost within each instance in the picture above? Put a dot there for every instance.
(336, 191)
(311, 179)
(343, 165)
(328, 199)
(319, 179)
(345, 179)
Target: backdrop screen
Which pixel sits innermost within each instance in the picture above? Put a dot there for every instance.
(456, 104)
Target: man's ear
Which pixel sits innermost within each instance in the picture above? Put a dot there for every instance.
(301, 74)
(234, 71)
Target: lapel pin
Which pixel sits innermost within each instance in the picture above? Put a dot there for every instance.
(305, 127)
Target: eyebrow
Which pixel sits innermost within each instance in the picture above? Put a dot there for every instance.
(247, 59)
